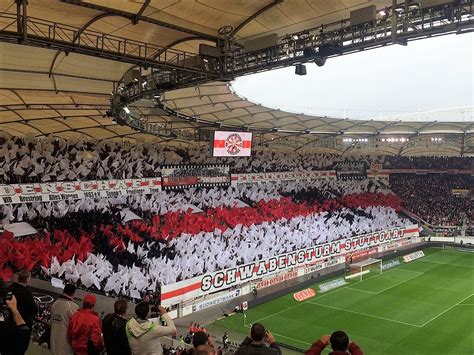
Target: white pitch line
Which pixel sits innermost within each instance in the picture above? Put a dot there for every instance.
(412, 271)
(418, 273)
(439, 262)
(285, 336)
(399, 283)
(361, 290)
(330, 292)
(447, 310)
(365, 314)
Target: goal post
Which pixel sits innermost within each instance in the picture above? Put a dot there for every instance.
(364, 269)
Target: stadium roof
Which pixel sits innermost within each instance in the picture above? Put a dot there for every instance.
(217, 102)
(45, 91)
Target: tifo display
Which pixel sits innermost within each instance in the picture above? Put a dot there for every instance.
(151, 203)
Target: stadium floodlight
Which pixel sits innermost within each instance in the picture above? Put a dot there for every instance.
(399, 9)
(300, 69)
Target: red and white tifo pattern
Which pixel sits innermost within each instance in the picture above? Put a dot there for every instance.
(232, 144)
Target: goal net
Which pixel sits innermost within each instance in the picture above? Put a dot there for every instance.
(364, 269)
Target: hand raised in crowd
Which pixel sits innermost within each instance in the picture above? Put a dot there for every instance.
(161, 310)
(269, 338)
(325, 339)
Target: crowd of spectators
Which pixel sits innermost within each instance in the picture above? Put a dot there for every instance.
(431, 197)
(89, 242)
(427, 162)
(176, 235)
(94, 247)
(55, 159)
(71, 329)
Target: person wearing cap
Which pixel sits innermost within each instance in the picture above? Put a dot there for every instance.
(84, 332)
(61, 312)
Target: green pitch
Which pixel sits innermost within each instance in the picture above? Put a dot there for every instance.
(422, 307)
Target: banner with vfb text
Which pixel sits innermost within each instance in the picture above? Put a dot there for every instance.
(75, 190)
(223, 279)
(263, 178)
(186, 176)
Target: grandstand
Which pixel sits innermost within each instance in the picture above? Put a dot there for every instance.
(131, 168)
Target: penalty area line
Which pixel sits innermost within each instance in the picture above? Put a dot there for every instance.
(447, 310)
(365, 314)
(285, 336)
(441, 263)
(399, 283)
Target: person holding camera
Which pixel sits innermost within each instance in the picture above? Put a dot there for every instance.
(143, 334)
(255, 343)
(26, 303)
(14, 332)
(340, 345)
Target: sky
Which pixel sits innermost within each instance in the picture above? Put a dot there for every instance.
(426, 75)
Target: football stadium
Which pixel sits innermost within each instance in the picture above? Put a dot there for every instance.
(262, 177)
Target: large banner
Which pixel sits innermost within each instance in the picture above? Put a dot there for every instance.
(232, 144)
(298, 271)
(262, 178)
(183, 176)
(75, 190)
(221, 280)
(351, 170)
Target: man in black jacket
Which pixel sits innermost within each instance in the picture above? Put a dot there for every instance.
(113, 329)
(255, 344)
(26, 303)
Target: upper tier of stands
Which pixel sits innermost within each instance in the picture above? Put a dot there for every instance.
(54, 159)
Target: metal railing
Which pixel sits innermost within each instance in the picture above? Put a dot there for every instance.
(61, 36)
(340, 38)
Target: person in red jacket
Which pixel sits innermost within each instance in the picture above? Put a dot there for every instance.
(340, 345)
(84, 331)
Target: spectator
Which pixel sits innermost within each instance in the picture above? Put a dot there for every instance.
(143, 334)
(340, 345)
(84, 332)
(113, 329)
(26, 303)
(255, 343)
(201, 343)
(14, 332)
(225, 340)
(61, 312)
(431, 197)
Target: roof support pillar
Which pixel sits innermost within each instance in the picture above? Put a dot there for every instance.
(463, 144)
(21, 19)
